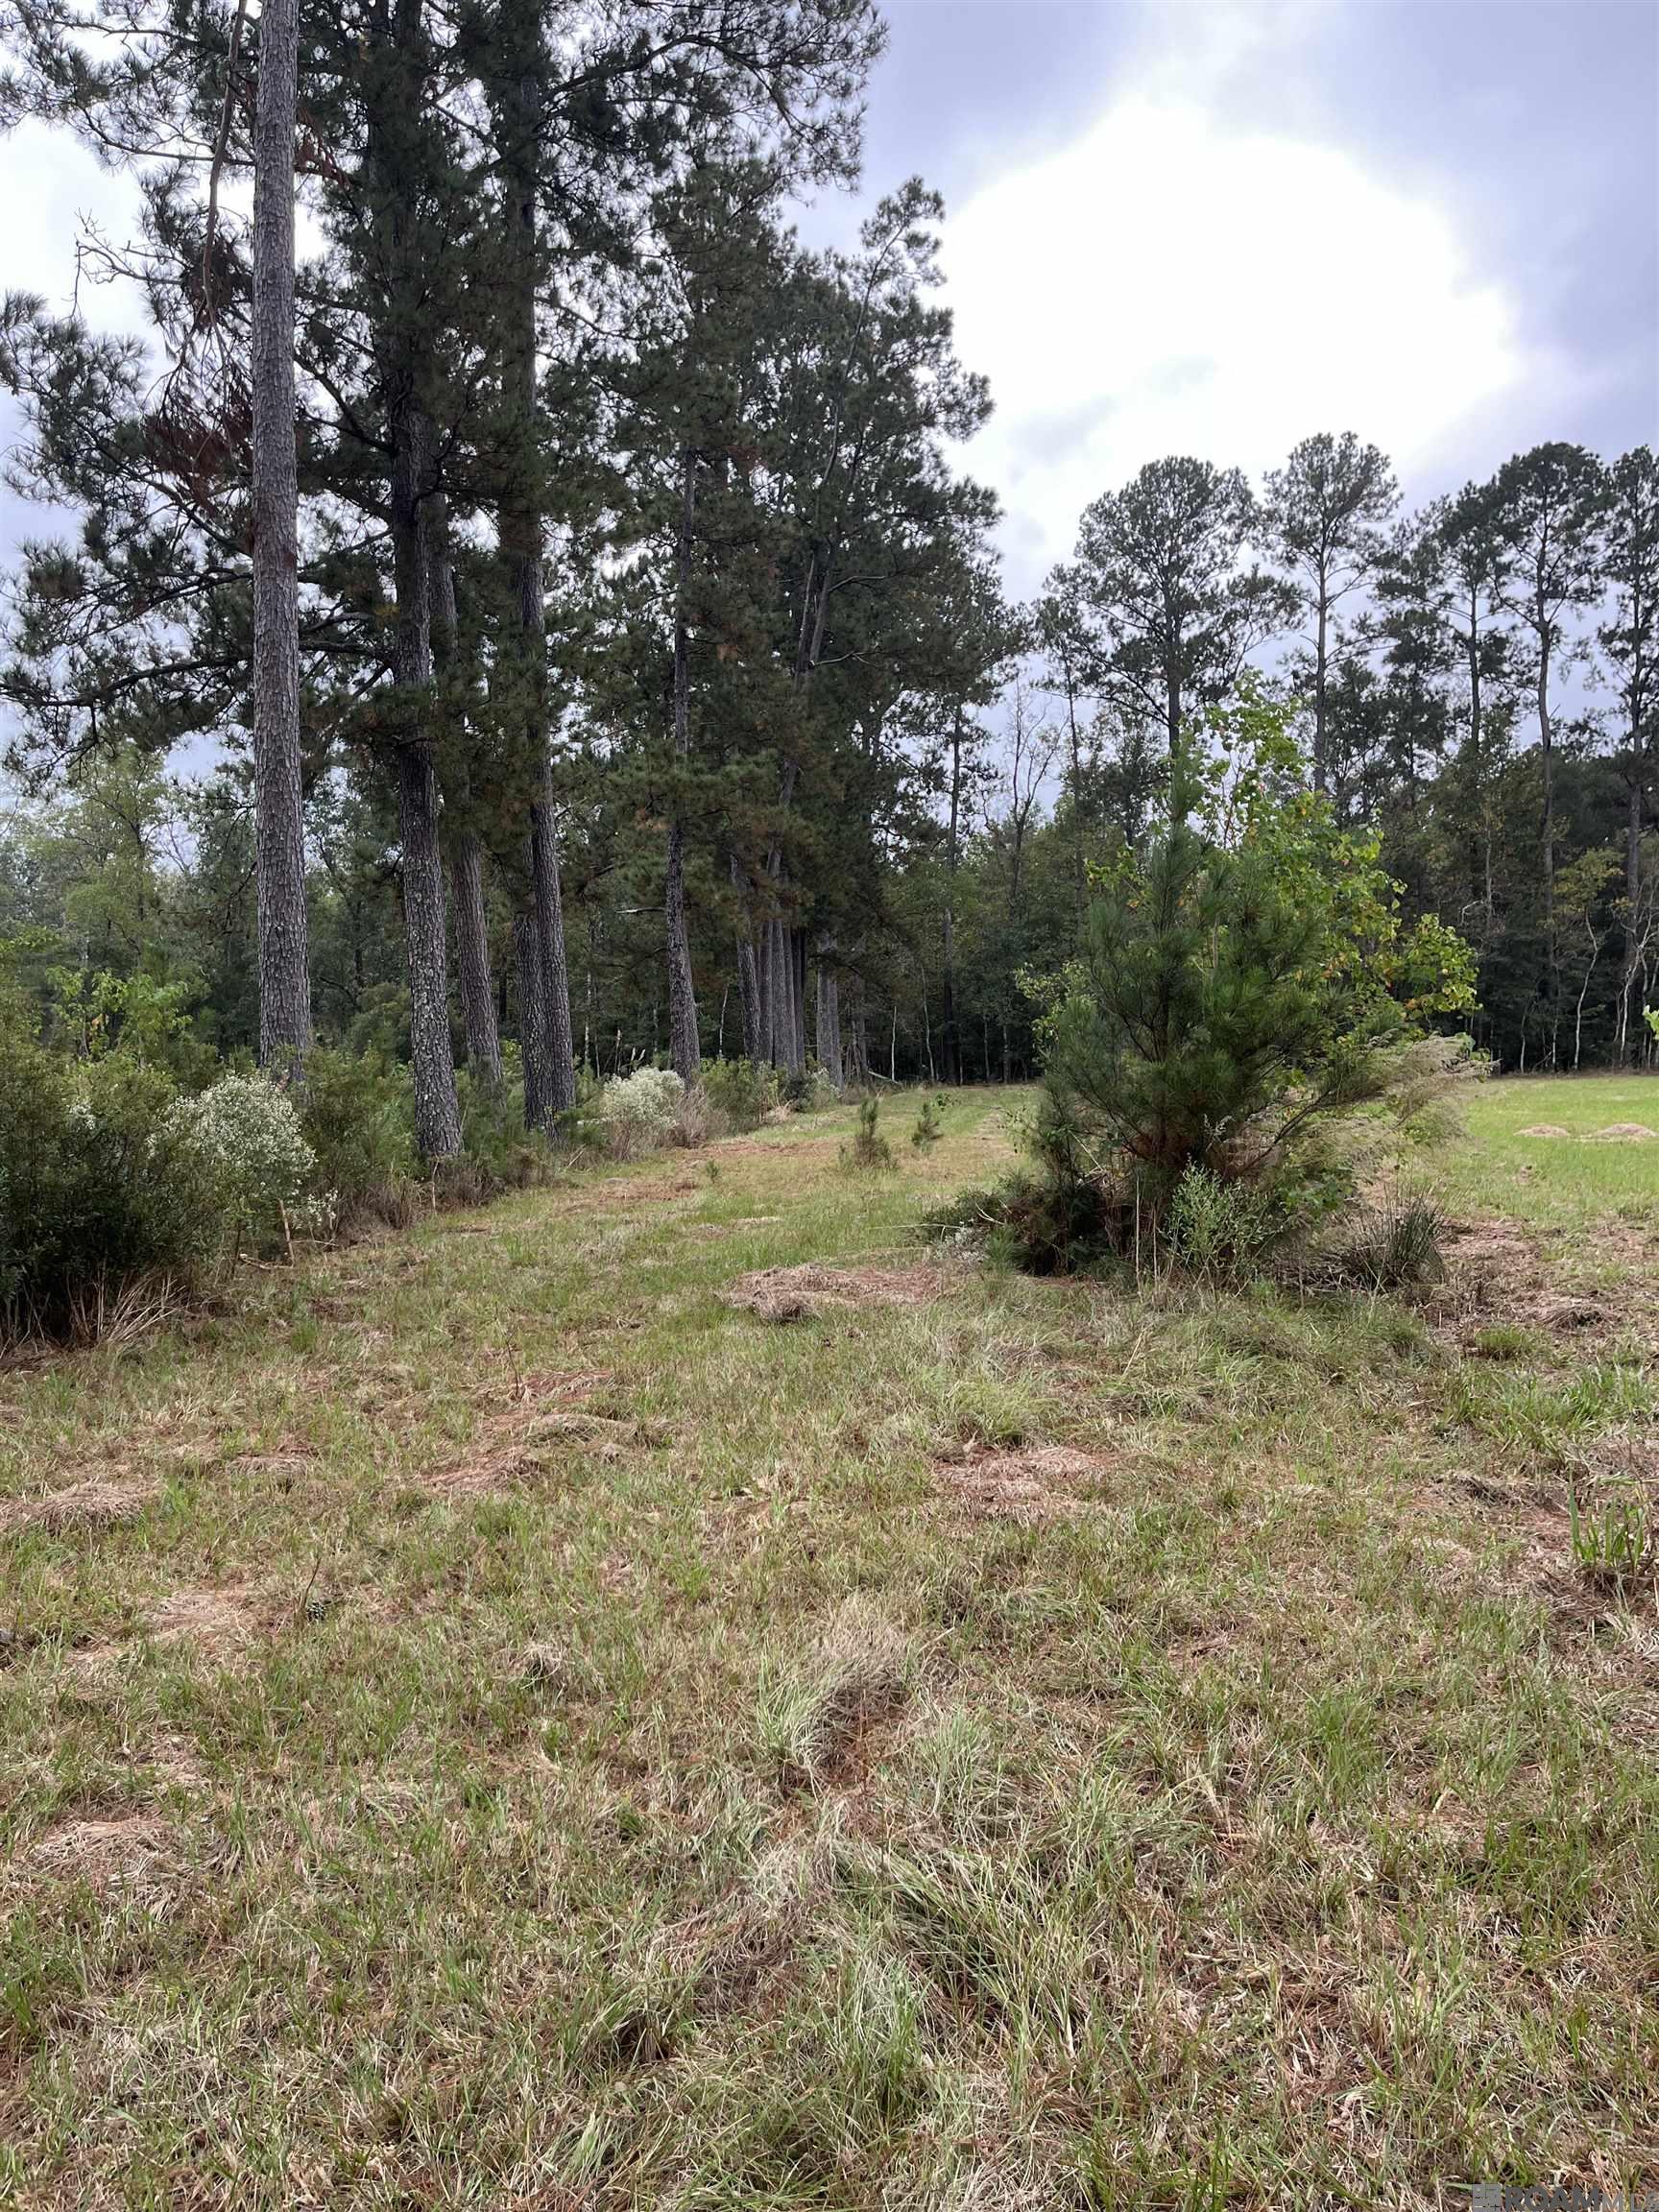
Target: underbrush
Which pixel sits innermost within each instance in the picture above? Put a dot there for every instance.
(122, 1198)
(1221, 1234)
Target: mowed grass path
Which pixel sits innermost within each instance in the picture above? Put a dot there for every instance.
(486, 1721)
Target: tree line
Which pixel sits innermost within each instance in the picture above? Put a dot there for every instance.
(543, 626)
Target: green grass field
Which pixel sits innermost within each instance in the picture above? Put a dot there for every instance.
(1572, 1179)
(522, 1714)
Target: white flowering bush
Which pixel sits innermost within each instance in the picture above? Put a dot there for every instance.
(639, 1112)
(244, 1138)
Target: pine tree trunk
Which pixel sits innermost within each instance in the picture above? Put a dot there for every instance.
(798, 1001)
(532, 1020)
(473, 961)
(437, 1116)
(1319, 664)
(779, 992)
(748, 977)
(952, 1052)
(1632, 897)
(279, 829)
(465, 853)
(828, 1024)
(550, 939)
(520, 530)
(1546, 740)
(683, 1049)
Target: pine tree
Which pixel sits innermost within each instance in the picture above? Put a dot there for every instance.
(1161, 574)
(1324, 513)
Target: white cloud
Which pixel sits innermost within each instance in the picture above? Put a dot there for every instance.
(60, 190)
(1165, 284)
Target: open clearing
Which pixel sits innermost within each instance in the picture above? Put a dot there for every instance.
(553, 1711)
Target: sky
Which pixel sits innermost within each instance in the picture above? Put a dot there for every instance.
(1215, 227)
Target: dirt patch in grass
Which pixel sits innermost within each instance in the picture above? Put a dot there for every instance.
(97, 1501)
(1622, 1133)
(801, 1294)
(1038, 1482)
(1544, 1129)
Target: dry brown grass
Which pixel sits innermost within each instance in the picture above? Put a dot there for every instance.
(95, 1502)
(1038, 1482)
(799, 1293)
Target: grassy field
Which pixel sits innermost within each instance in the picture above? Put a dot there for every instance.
(1541, 1151)
(525, 1713)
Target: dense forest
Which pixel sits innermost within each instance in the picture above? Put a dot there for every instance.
(549, 624)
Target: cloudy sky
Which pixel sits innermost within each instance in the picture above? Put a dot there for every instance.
(1216, 226)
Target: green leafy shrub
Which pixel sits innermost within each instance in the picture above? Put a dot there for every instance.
(1039, 1223)
(357, 1115)
(869, 1151)
(1219, 1230)
(806, 1090)
(243, 1145)
(638, 1112)
(501, 1153)
(97, 1194)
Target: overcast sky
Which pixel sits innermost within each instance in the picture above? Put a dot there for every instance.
(1177, 226)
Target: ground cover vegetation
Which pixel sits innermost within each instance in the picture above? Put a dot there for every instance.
(585, 1623)
(669, 1688)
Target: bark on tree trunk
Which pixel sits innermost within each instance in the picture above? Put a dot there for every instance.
(521, 525)
(953, 1051)
(532, 1019)
(279, 819)
(1546, 740)
(748, 979)
(798, 1001)
(1632, 897)
(550, 939)
(1320, 658)
(684, 1048)
(473, 961)
(828, 1029)
(437, 1116)
(465, 853)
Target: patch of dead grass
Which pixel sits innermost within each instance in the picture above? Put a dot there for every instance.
(96, 1502)
(220, 1623)
(1036, 1482)
(1498, 1271)
(121, 1851)
(801, 1294)
(542, 1411)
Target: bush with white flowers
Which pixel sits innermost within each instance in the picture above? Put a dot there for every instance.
(244, 1138)
(638, 1112)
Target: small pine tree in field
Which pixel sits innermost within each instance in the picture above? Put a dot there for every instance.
(1248, 986)
(930, 1125)
(869, 1150)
